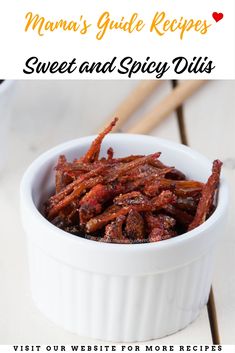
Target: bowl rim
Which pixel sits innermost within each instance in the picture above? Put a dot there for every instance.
(27, 199)
(5, 85)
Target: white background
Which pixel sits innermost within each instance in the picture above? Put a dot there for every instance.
(16, 46)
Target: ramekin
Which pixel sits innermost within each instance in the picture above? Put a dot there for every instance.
(119, 292)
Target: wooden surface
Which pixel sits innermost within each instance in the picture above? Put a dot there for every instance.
(47, 113)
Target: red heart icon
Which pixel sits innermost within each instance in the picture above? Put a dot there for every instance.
(217, 16)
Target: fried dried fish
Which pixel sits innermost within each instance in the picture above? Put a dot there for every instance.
(127, 200)
(135, 229)
(92, 154)
(208, 194)
(158, 202)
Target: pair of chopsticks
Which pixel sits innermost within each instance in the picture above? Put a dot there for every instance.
(163, 109)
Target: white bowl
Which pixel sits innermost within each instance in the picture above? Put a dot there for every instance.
(119, 292)
(6, 91)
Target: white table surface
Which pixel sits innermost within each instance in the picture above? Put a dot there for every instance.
(45, 113)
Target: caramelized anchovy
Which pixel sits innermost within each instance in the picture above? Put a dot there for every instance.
(160, 227)
(130, 198)
(53, 200)
(78, 166)
(125, 169)
(113, 232)
(86, 184)
(159, 234)
(59, 177)
(182, 217)
(208, 194)
(134, 225)
(182, 188)
(127, 200)
(127, 159)
(160, 220)
(188, 204)
(91, 204)
(94, 151)
(156, 203)
(110, 153)
(174, 174)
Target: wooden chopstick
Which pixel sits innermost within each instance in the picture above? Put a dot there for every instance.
(180, 119)
(132, 102)
(173, 100)
(211, 309)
